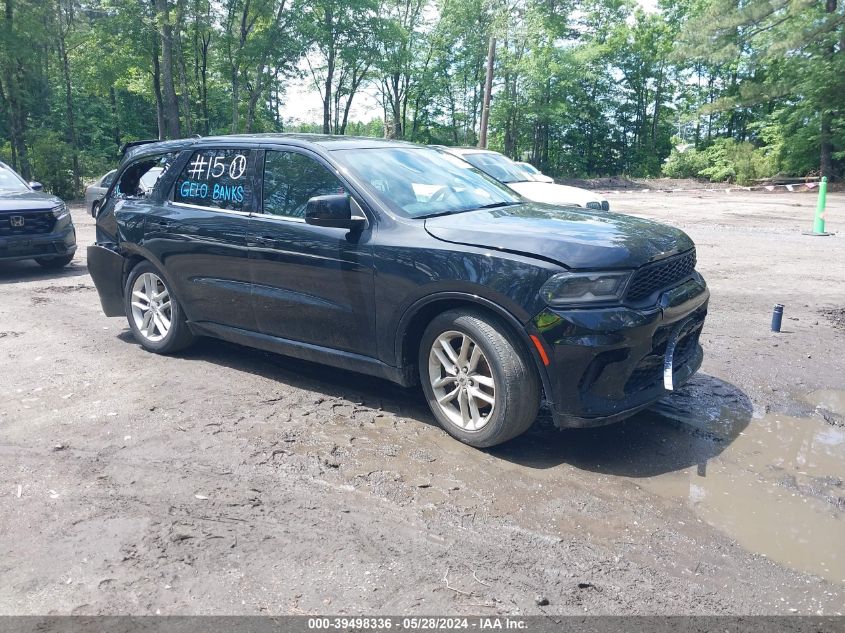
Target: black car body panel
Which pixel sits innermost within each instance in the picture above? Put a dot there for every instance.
(360, 299)
(573, 237)
(29, 229)
(612, 360)
(107, 269)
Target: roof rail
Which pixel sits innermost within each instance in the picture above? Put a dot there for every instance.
(127, 146)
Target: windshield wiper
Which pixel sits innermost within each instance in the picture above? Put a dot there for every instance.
(440, 214)
(494, 205)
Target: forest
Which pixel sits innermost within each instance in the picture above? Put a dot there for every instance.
(724, 90)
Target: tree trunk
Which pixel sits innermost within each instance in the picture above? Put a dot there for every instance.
(252, 104)
(657, 102)
(157, 91)
(330, 62)
(327, 96)
(826, 132)
(488, 88)
(114, 117)
(183, 69)
(206, 42)
(171, 101)
(71, 118)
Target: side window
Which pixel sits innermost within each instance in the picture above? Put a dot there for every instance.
(216, 178)
(291, 179)
(139, 179)
(106, 181)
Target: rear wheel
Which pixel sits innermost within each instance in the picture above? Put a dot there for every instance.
(53, 263)
(155, 317)
(479, 383)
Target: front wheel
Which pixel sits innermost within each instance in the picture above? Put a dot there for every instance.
(480, 385)
(155, 317)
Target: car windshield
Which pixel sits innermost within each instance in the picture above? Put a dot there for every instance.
(10, 181)
(499, 167)
(418, 182)
(529, 168)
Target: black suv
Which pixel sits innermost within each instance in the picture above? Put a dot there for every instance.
(33, 224)
(401, 262)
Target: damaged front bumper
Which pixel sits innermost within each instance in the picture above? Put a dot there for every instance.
(608, 363)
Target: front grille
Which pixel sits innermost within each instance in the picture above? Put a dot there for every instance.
(594, 204)
(663, 274)
(34, 223)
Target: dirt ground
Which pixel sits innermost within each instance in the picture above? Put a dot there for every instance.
(230, 481)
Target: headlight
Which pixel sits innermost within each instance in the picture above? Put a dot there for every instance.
(60, 211)
(573, 288)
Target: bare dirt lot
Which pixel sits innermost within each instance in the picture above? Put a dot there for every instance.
(229, 481)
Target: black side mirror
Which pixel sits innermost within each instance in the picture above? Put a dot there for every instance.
(334, 211)
(36, 186)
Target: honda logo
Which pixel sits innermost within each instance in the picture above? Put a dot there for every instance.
(17, 220)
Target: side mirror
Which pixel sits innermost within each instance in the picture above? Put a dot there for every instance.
(334, 211)
(36, 186)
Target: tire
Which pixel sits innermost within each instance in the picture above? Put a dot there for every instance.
(146, 287)
(499, 369)
(54, 263)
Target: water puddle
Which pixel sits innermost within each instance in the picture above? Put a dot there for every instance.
(777, 488)
(831, 399)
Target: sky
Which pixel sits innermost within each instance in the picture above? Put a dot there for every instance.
(302, 102)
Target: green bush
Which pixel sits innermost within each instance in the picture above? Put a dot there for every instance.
(725, 160)
(52, 163)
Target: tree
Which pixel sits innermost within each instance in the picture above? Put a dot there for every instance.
(344, 44)
(787, 55)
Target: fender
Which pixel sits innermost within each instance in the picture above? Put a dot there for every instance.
(509, 318)
(130, 249)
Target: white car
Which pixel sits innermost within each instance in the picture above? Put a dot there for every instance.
(533, 172)
(506, 171)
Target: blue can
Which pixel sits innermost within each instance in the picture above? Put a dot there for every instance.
(777, 317)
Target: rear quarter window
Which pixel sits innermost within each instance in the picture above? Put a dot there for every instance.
(215, 178)
(139, 179)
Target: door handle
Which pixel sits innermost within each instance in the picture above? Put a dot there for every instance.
(162, 223)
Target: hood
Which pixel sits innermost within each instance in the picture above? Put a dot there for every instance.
(27, 201)
(550, 193)
(576, 238)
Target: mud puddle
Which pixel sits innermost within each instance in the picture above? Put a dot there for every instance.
(773, 484)
(776, 487)
(832, 400)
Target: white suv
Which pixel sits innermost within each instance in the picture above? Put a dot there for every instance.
(512, 174)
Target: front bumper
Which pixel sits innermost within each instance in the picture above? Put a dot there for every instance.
(60, 243)
(608, 363)
(107, 267)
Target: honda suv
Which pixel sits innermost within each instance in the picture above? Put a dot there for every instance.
(33, 224)
(406, 263)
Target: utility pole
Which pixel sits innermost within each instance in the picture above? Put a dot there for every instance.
(488, 88)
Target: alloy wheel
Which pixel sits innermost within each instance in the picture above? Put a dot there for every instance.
(462, 380)
(152, 311)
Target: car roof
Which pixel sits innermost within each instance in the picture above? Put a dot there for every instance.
(324, 141)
